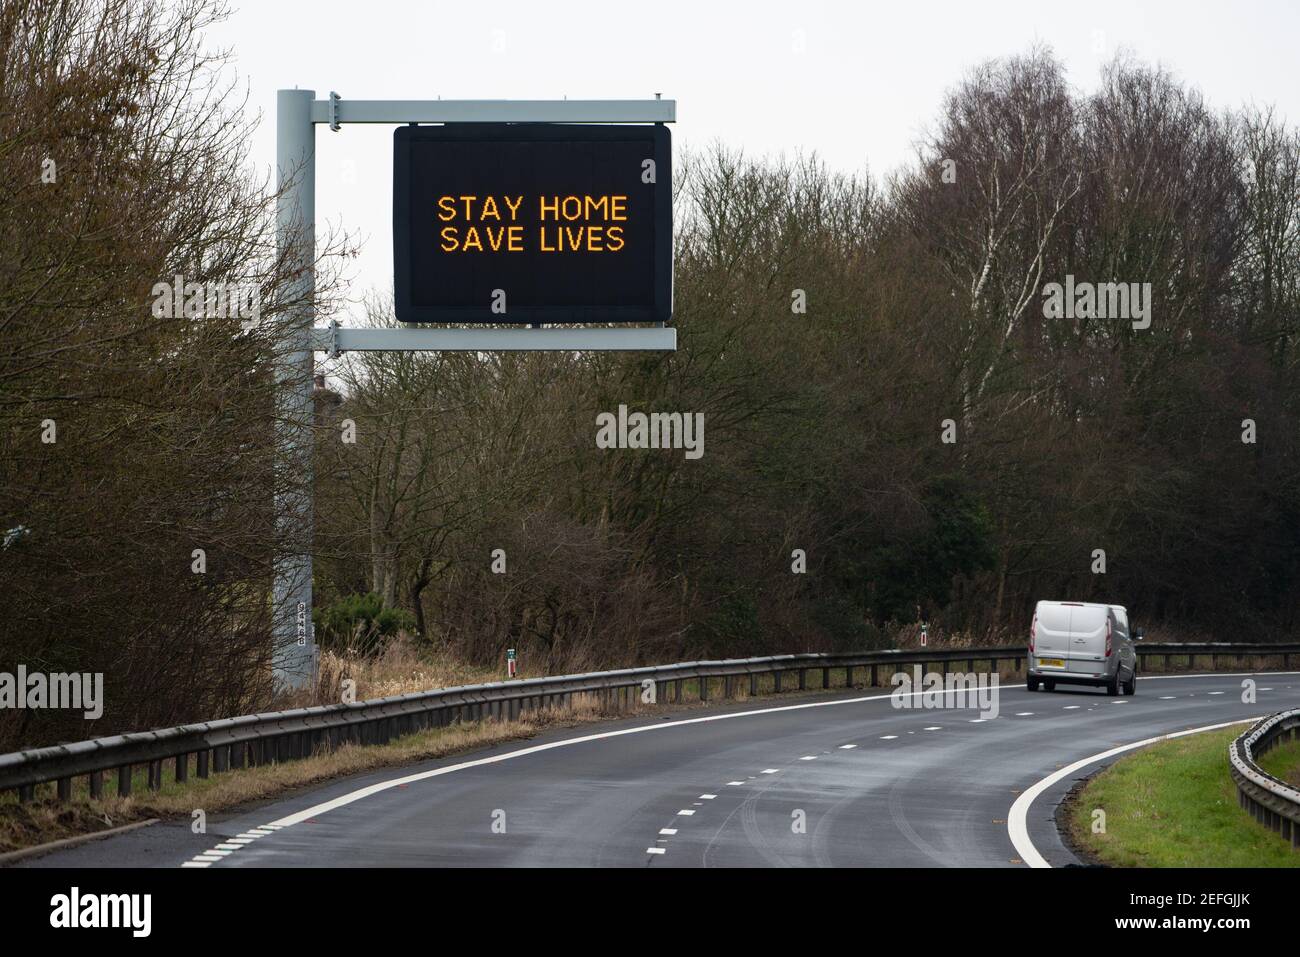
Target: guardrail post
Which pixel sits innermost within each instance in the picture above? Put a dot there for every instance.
(124, 781)
(753, 684)
(96, 785)
(221, 758)
(63, 789)
(704, 688)
(803, 679)
(826, 677)
(202, 763)
(677, 691)
(727, 686)
(26, 792)
(155, 775)
(848, 676)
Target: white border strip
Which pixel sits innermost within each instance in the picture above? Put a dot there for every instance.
(1017, 828)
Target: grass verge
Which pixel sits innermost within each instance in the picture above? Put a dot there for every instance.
(1174, 804)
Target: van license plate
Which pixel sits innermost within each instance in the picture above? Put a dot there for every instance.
(1052, 662)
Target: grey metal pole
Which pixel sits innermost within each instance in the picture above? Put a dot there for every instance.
(295, 647)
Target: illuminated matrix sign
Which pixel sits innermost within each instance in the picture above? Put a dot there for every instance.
(532, 223)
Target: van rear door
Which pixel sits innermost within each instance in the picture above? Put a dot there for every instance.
(1052, 634)
(1088, 625)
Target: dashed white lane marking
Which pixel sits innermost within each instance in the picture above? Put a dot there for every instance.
(670, 831)
(809, 757)
(1167, 697)
(656, 850)
(734, 784)
(890, 737)
(227, 847)
(933, 727)
(1071, 707)
(1017, 829)
(847, 747)
(685, 812)
(707, 797)
(1119, 702)
(978, 720)
(1218, 692)
(772, 771)
(1023, 714)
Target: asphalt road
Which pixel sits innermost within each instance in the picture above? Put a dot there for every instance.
(727, 786)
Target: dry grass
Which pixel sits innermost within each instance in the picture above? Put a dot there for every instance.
(402, 668)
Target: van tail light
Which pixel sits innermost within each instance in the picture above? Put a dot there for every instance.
(1108, 638)
(1033, 630)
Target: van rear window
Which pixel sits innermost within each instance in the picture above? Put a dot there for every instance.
(1054, 617)
(1088, 619)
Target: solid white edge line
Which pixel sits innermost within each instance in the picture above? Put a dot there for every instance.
(1018, 830)
(345, 799)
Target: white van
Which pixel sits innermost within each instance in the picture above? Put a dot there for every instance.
(1077, 642)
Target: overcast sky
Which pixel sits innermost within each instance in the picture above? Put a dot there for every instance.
(855, 82)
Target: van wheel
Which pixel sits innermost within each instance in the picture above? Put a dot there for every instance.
(1112, 685)
(1049, 685)
(1131, 686)
(1031, 684)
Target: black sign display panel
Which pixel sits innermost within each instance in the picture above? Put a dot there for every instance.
(532, 223)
